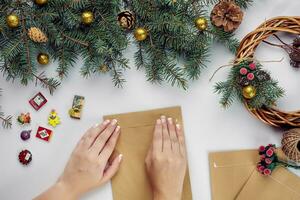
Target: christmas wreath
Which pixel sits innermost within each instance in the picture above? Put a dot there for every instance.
(254, 86)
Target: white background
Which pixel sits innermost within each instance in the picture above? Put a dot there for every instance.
(208, 127)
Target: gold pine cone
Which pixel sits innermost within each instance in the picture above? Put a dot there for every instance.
(37, 35)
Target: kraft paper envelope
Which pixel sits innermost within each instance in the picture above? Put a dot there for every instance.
(229, 172)
(281, 185)
(131, 181)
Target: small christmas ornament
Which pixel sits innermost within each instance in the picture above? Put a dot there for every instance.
(37, 35)
(24, 118)
(12, 21)
(140, 34)
(252, 66)
(227, 15)
(38, 101)
(40, 2)
(249, 92)
(243, 71)
(53, 119)
(44, 134)
(243, 81)
(126, 19)
(75, 111)
(250, 76)
(104, 68)
(43, 58)
(87, 17)
(201, 23)
(25, 135)
(291, 144)
(269, 160)
(25, 157)
(262, 76)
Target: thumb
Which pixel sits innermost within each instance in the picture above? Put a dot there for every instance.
(112, 169)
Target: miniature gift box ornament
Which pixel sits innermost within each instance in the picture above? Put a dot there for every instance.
(76, 110)
(53, 119)
(44, 134)
(38, 101)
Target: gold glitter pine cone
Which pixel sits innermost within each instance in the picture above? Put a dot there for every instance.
(291, 144)
(227, 15)
(37, 35)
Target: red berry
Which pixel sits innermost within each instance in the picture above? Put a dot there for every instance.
(243, 71)
(262, 149)
(269, 152)
(262, 157)
(261, 168)
(267, 172)
(268, 161)
(250, 76)
(252, 66)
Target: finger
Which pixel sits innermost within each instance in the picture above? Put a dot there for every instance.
(112, 169)
(149, 155)
(166, 136)
(90, 136)
(173, 136)
(110, 145)
(103, 137)
(181, 139)
(157, 137)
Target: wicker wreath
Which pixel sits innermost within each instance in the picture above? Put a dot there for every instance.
(270, 115)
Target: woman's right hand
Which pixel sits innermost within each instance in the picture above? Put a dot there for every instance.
(166, 161)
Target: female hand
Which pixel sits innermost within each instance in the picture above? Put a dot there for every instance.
(166, 161)
(88, 166)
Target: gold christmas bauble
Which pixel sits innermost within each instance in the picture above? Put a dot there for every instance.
(41, 2)
(12, 21)
(87, 17)
(249, 92)
(201, 23)
(43, 58)
(140, 34)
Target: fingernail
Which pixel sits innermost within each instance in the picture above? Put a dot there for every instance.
(118, 128)
(120, 157)
(178, 126)
(163, 119)
(114, 122)
(96, 125)
(170, 120)
(158, 121)
(106, 122)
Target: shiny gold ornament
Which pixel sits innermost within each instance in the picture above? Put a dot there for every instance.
(37, 35)
(249, 92)
(43, 58)
(87, 17)
(140, 34)
(201, 23)
(41, 2)
(126, 19)
(12, 21)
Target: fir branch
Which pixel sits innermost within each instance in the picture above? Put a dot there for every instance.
(48, 83)
(6, 121)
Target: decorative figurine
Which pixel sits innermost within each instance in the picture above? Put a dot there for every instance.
(38, 101)
(75, 111)
(24, 118)
(44, 134)
(53, 119)
(25, 135)
(25, 157)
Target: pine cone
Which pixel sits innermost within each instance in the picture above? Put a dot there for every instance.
(227, 15)
(36, 35)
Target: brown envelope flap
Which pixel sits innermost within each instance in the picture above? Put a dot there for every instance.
(282, 184)
(135, 119)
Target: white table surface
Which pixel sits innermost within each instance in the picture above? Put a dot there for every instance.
(208, 127)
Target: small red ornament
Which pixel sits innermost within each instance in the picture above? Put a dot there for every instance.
(25, 157)
(268, 161)
(261, 168)
(44, 134)
(267, 172)
(252, 66)
(38, 101)
(250, 76)
(269, 152)
(243, 71)
(262, 149)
